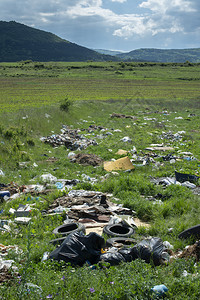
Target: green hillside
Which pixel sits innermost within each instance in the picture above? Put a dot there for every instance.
(20, 42)
(161, 55)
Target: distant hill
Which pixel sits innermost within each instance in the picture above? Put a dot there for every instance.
(159, 55)
(20, 42)
(108, 52)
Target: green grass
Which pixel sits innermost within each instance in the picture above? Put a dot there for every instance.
(30, 109)
(25, 85)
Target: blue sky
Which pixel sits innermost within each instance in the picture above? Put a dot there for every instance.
(112, 24)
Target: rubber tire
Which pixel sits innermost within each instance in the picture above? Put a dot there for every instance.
(192, 231)
(66, 229)
(125, 241)
(118, 230)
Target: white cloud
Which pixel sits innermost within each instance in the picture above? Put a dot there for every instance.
(127, 25)
(162, 6)
(110, 20)
(120, 1)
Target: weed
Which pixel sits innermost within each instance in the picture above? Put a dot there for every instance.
(66, 104)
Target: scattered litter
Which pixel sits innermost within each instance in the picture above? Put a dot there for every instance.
(192, 251)
(33, 188)
(122, 152)
(117, 130)
(166, 181)
(122, 116)
(2, 173)
(181, 177)
(178, 118)
(45, 256)
(90, 207)
(159, 290)
(4, 195)
(22, 210)
(48, 178)
(22, 220)
(70, 138)
(119, 164)
(59, 185)
(151, 249)
(5, 274)
(78, 248)
(71, 155)
(168, 245)
(159, 148)
(31, 289)
(126, 139)
(87, 159)
(189, 184)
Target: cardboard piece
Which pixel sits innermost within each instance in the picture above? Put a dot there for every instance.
(122, 152)
(160, 148)
(123, 163)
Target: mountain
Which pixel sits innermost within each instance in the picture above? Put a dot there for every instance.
(108, 52)
(20, 42)
(161, 55)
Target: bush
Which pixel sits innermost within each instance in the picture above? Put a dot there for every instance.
(65, 104)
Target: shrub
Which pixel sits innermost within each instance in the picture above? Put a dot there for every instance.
(65, 104)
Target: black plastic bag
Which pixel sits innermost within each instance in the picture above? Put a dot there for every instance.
(113, 258)
(78, 248)
(149, 250)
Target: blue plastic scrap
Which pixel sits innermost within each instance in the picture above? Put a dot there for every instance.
(160, 290)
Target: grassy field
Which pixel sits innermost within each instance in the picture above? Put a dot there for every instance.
(163, 98)
(35, 84)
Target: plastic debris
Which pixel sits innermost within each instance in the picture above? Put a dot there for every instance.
(2, 173)
(22, 210)
(78, 248)
(4, 193)
(126, 139)
(159, 148)
(22, 220)
(160, 290)
(70, 138)
(48, 178)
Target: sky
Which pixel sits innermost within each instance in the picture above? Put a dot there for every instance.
(123, 25)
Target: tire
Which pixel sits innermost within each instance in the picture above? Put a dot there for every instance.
(190, 232)
(118, 230)
(66, 229)
(125, 241)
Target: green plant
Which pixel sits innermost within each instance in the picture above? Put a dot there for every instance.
(66, 104)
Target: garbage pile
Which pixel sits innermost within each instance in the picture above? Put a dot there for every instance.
(70, 138)
(5, 265)
(172, 136)
(191, 251)
(88, 206)
(78, 249)
(86, 159)
(182, 179)
(122, 116)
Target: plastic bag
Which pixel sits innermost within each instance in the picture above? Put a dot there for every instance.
(149, 250)
(113, 258)
(78, 248)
